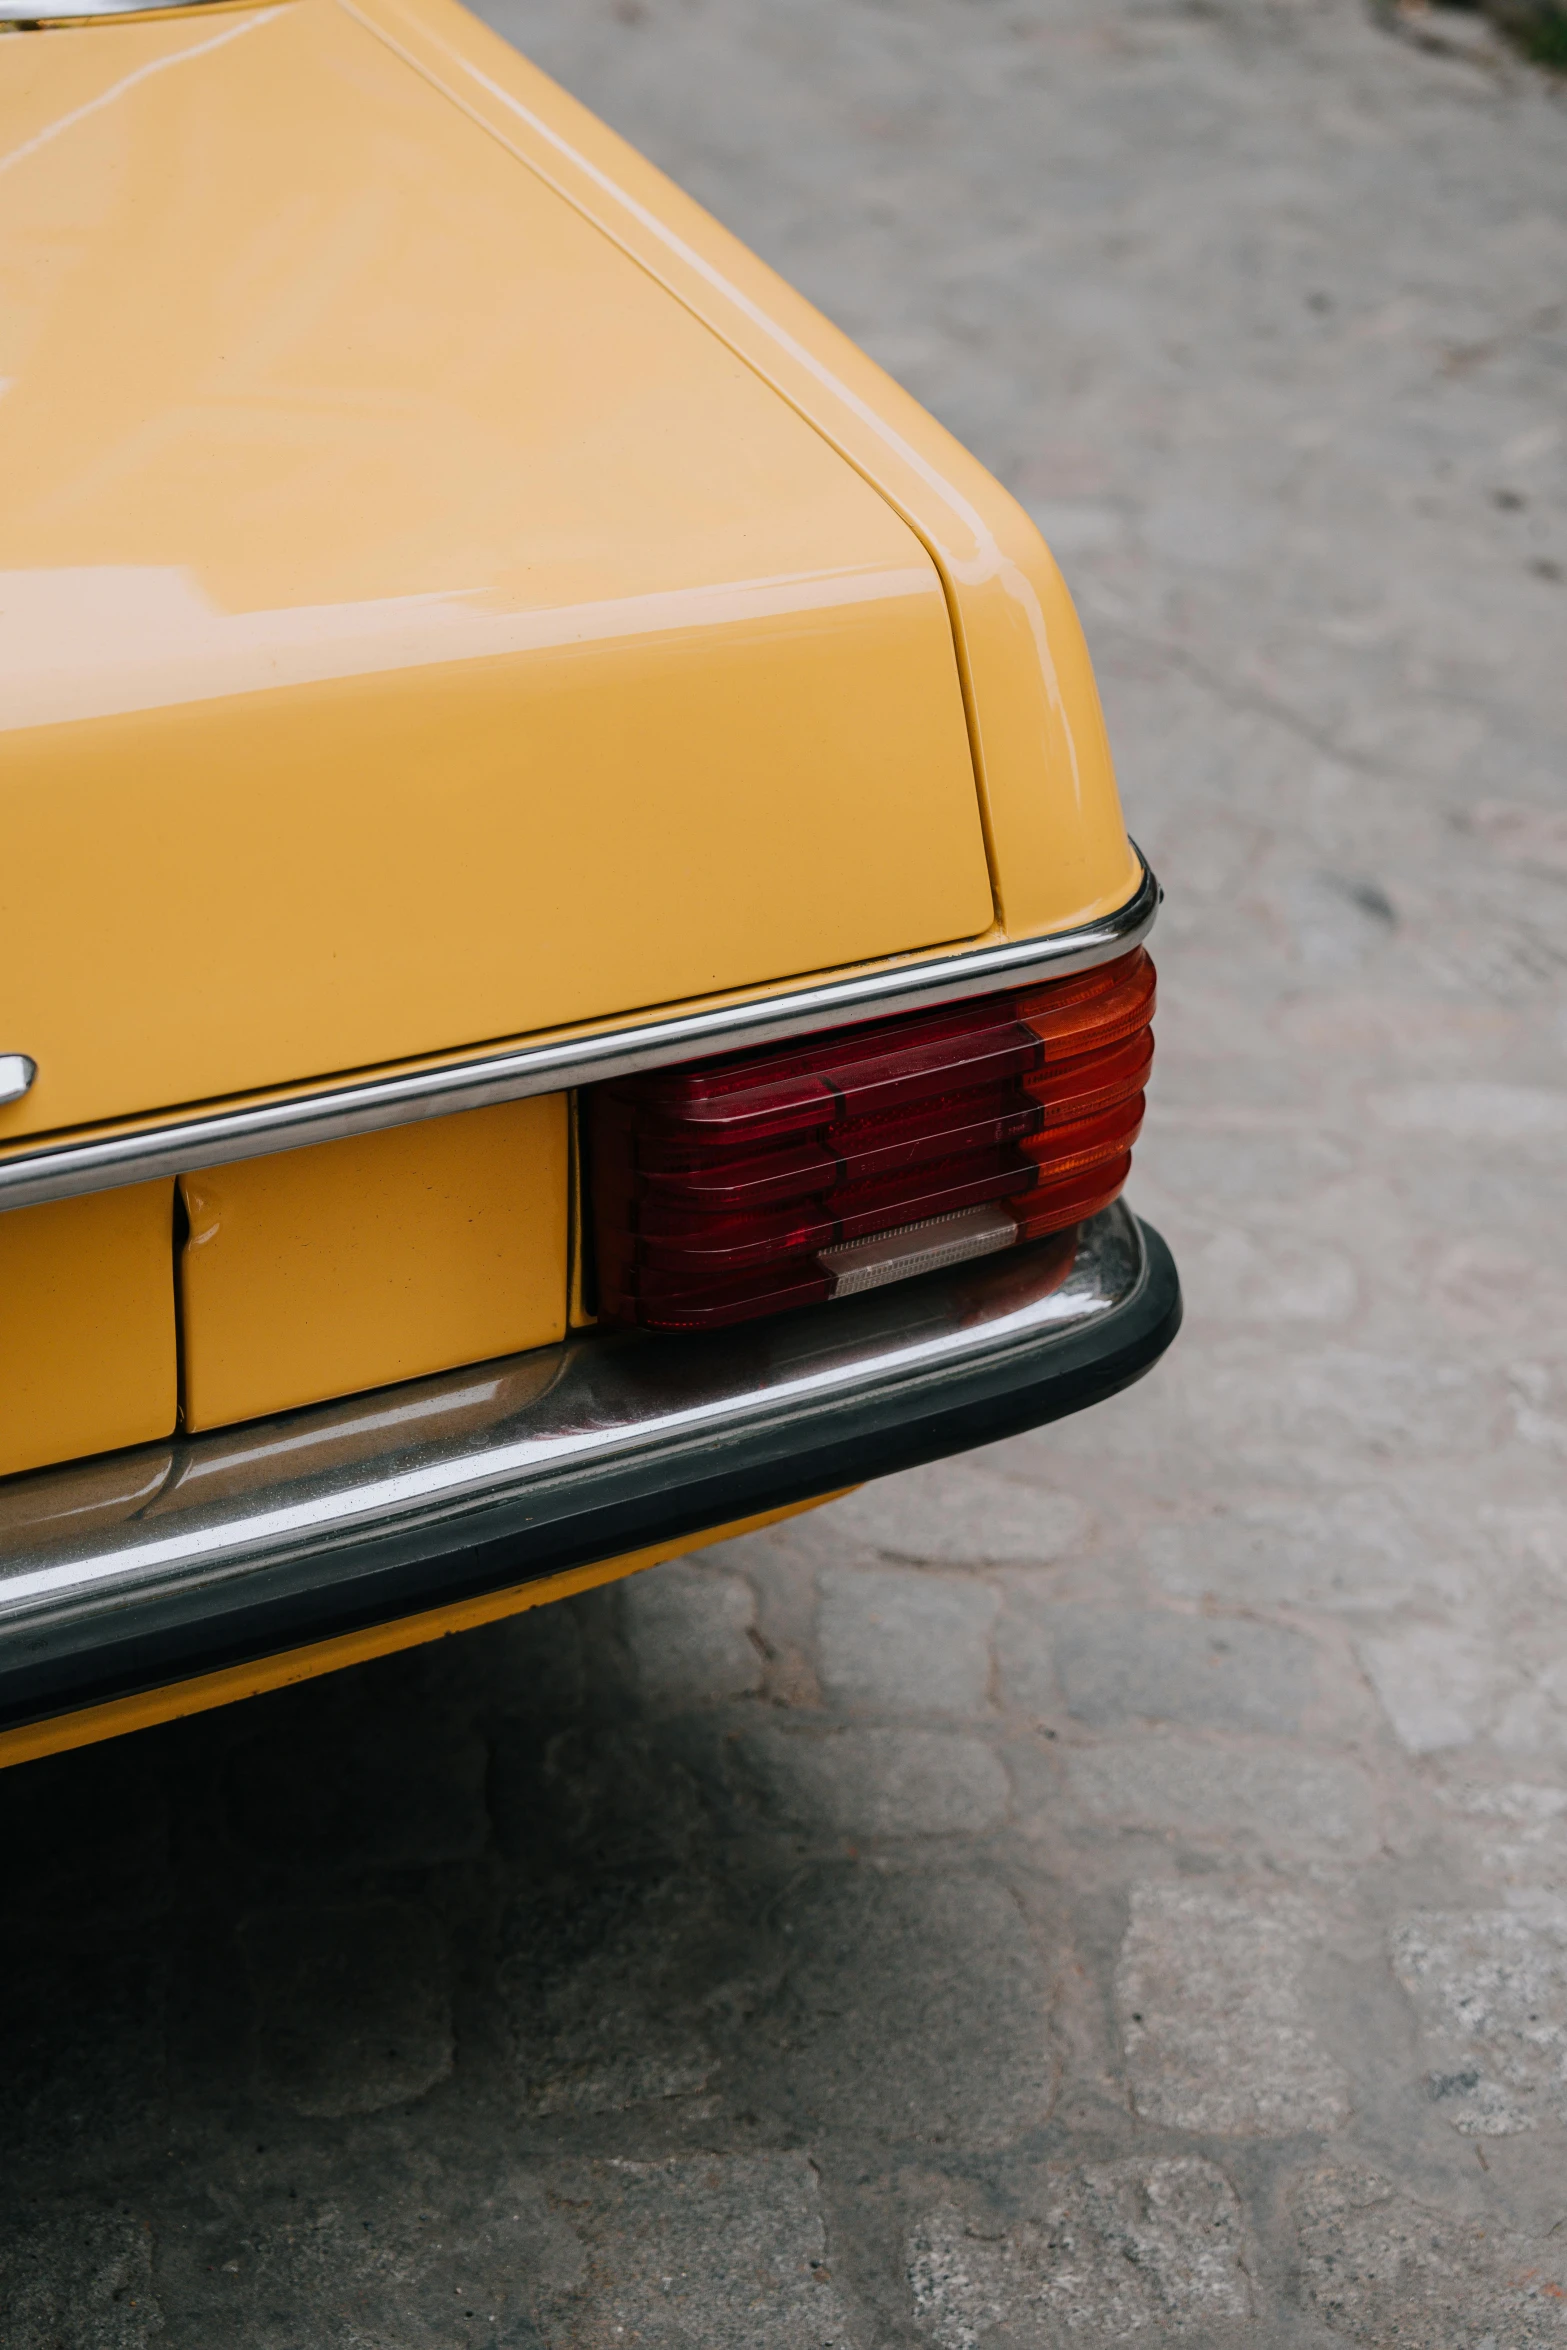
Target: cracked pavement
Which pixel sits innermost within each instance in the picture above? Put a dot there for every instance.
(1113, 1886)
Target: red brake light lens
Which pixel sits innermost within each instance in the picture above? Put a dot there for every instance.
(796, 1173)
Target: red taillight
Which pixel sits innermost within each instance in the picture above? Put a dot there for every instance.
(801, 1172)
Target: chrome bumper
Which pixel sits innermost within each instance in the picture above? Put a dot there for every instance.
(143, 1567)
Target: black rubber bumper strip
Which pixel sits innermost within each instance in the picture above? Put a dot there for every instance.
(253, 1542)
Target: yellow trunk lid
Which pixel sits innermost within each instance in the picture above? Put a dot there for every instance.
(416, 627)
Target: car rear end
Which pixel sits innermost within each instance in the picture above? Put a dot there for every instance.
(572, 974)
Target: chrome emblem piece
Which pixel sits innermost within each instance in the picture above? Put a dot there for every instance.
(16, 1075)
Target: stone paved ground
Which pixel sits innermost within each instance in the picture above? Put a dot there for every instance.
(1113, 1888)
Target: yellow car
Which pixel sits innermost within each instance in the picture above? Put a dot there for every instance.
(571, 973)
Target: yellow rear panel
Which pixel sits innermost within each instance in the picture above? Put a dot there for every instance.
(354, 1264)
(87, 1351)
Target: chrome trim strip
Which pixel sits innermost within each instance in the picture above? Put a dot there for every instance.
(62, 1170)
(317, 1499)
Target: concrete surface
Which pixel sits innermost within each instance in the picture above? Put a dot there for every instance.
(1111, 1889)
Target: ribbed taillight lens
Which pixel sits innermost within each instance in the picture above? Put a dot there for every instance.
(802, 1172)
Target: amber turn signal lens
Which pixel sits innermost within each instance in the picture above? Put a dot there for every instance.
(797, 1173)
